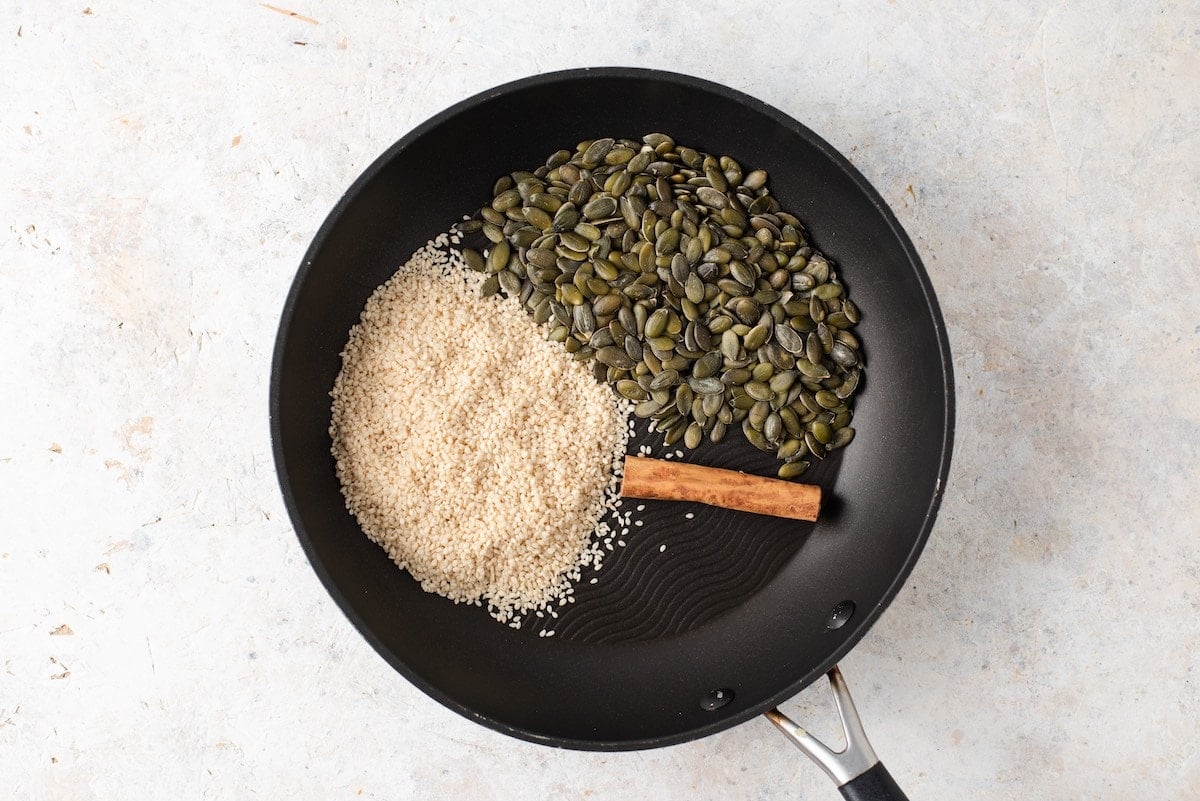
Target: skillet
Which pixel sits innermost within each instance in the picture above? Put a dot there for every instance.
(738, 612)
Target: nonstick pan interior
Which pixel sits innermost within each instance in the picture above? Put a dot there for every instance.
(752, 607)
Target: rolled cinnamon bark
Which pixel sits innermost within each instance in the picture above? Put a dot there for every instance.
(660, 480)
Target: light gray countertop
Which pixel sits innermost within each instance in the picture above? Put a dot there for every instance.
(165, 166)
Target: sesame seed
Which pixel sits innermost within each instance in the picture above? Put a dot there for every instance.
(402, 459)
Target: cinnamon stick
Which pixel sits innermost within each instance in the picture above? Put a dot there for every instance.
(660, 480)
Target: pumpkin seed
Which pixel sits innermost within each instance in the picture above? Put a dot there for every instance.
(792, 470)
(756, 337)
(841, 438)
(816, 309)
(647, 408)
(667, 242)
(631, 390)
(789, 448)
(789, 340)
(683, 399)
(741, 401)
(791, 421)
(474, 259)
(746, 310)
(706, 386)
(814, 351)
(597, 150)
(588, 231)
(828, 291)
(633, 348)
(758, 414)
(755, 180)
(743, 273)
(773, 427)
(782, 382)
(706, 365)
(667, 378)
(509, 198)
(843, 355)
(546, 202)
(599, 208)
(758, 390)
(712, 197)
(851, 311)
(720, 324)
(639, 162)
(827, 399)
(538, 218)
(848, 386)
(662, 344)
(656, 324)
(839, 320)
(566, 218)
(608, 304)
(612, 356)
(736, 376)
(811, 370)
(821, 431)
(731, 347)
(584, 319)
(711, 405)
(755, 438)
(540, 257)
(509, 282)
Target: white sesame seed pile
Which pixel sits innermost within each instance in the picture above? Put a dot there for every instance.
(478, 454)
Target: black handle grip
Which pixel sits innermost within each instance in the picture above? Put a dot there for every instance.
(874, 785)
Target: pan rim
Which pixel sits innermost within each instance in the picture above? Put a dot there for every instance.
(340, 596)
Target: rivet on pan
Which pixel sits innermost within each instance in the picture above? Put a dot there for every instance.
(715, 699)
(840, 615)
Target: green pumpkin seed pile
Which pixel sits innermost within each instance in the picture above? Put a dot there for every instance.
(693, 293)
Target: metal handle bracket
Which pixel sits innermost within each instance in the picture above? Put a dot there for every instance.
(842, 766)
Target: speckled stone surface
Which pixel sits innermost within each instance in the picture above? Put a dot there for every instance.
(165, 165)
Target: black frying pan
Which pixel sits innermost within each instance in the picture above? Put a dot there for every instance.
(739, 612)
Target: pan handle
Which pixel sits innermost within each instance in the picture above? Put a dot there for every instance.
(858, 772)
